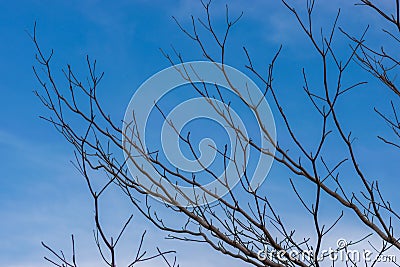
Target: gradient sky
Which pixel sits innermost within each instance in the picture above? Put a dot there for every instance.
(43, 198)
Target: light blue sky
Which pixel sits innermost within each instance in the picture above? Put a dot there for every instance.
(42, 198)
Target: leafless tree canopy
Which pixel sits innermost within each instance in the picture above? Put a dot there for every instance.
(244, 221)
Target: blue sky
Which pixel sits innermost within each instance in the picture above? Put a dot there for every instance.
(43, 198)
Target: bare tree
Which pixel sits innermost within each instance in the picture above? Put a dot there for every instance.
(382, 63)
(244, 221)
(106, 245)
